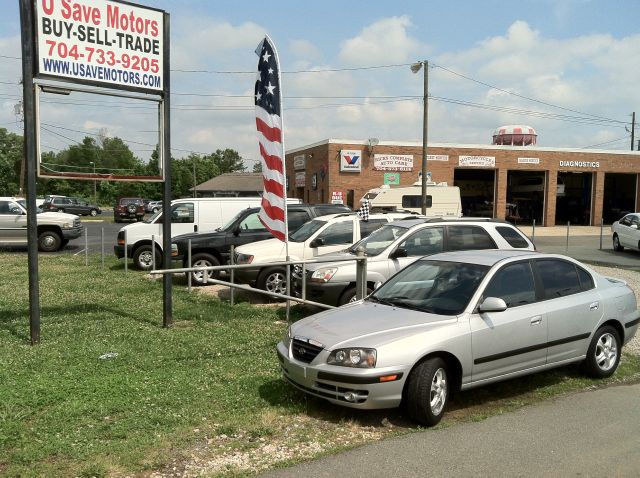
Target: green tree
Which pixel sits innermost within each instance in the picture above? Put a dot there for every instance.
(228, 161)
(257, 167)
(11, 154)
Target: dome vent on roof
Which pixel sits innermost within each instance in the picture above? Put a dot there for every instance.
(515, 135)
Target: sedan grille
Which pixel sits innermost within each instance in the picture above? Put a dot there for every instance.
(304, 351)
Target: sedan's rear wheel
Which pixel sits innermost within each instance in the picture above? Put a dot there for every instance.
(204, 260)
(93, 213)
(603, 355)
(616, 243)
(428, 391)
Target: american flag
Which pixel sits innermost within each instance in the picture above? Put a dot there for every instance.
(269, 123)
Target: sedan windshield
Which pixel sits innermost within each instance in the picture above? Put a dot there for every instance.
(436, 287)
(379, 240)
(306, 231)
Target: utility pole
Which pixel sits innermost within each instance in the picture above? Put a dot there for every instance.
(415, 68)
(633, 128)
(194, 177)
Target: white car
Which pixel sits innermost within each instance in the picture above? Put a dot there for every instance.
(319, 236)
(625, 232)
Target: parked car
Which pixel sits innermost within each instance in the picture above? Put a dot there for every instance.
(398, 244)
(626, 233)
(71, 205)
(187, 216)
(214, 248)
(129, 208)
(55, 229)
(153, 207)
(318, 236)
(458, 320)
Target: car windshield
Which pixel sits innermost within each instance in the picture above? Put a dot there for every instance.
(127, 201)
(306, 230)
(436, 287)
(379, 240)
(153, 217)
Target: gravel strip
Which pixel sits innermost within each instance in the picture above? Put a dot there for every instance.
(633, 279)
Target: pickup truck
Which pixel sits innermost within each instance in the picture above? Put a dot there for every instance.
(55, 229)
(214, 248)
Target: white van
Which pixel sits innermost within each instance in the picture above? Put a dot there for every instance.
(187, 216)
(442, 200)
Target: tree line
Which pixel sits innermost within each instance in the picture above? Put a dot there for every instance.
(111, 155)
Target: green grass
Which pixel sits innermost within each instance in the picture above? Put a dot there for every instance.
(208, 387)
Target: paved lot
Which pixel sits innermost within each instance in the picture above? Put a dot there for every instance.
(593, 433)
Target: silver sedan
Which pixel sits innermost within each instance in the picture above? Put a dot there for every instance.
(458, 320)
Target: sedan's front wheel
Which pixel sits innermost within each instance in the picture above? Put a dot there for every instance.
(603, 355)
(428, 391)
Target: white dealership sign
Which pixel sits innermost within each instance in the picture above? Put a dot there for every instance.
(477, 161)
(437, 157)
(101, 42)
(351, 160)
(299, 162)
(393, 162)
(528, 160)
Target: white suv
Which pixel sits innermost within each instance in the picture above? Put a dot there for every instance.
(396, 245)
(322, 235)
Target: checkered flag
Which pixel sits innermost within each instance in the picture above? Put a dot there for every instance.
(363, 212)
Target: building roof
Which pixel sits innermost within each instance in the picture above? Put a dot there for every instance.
(418, 144)
(229, 182)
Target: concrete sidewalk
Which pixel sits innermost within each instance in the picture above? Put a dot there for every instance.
(561, 231)
(595, 433)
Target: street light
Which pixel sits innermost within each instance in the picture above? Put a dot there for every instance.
(415, 68)
(94, 182)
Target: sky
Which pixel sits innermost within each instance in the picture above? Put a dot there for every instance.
(570, 69)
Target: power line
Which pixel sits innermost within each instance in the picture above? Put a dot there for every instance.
(625, 138)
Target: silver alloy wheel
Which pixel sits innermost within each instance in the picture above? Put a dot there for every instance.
(438, 395)
(199, 276)
(276, 282)
(606, 352)
(93, 213)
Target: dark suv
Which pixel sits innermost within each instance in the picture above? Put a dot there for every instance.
(71, 205)
(129, 208)
(214, 248)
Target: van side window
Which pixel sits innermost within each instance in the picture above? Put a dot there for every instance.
(415, 201)
(429, 240)
(513, 237)
(182, 213)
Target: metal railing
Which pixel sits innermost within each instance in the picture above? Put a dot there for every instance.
(361, 276)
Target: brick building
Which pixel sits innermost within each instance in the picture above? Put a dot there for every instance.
(519, 183)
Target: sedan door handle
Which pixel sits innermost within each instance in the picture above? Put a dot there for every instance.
(537, 320)
(594, 306)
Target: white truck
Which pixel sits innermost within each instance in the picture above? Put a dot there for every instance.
(187, 216)
(442, 200)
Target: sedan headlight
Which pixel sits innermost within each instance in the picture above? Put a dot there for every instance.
(244, 259)
(353, 357)
(324, 274)
(286, 340)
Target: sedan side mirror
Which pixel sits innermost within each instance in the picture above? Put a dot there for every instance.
(493, 304)
(317, 242)
(399, 252)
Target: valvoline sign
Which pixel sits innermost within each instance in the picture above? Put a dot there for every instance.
(351, 160)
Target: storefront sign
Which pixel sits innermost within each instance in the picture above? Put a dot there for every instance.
(437, 157)
(314, 181)
(477, 161)
(579, 164)
(337, 197)
(393, 162)
(391, 178)
(111, 44)
(301, 179)
(528, 160)
(350, 160)
(298, 162)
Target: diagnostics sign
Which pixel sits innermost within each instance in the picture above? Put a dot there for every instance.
(101, 42)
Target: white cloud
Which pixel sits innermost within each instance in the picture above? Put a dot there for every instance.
(385, 41)
(305, 50)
